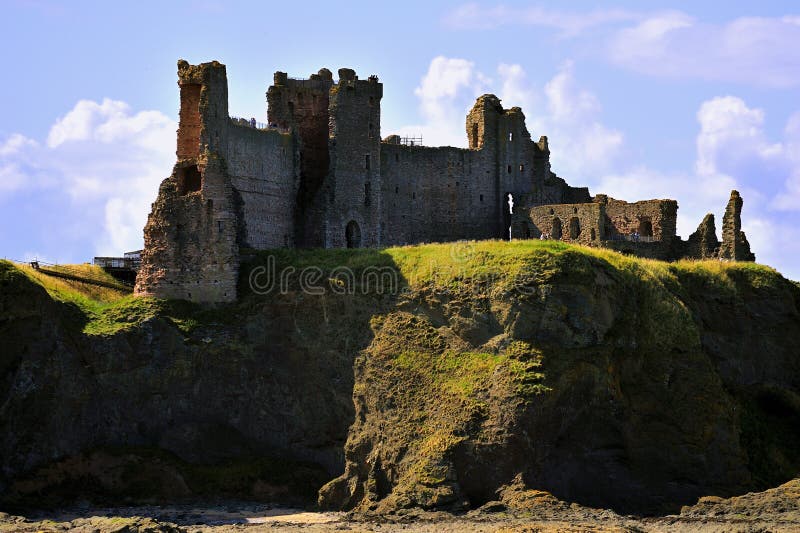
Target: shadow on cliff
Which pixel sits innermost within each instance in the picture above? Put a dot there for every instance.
(249, 400)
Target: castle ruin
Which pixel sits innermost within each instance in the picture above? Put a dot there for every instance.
(319, 175)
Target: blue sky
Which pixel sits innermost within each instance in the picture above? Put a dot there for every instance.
(638, 100)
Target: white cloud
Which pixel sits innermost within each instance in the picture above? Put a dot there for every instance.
(14, 144)
(446, 92)
(473, 16)
(93, 179)
(758, 51)
(515, 88)
(582, 145)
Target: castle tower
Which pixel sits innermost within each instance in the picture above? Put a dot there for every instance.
(353, 206)
(191, 248)
(301, 106)
(518, 166)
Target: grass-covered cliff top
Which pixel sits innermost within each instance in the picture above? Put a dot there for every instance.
(472, 267)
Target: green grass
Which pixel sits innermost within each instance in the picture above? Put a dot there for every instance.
(88, 297)
(469, 374)
(466, 268)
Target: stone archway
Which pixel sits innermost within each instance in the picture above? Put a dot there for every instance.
(352, 234)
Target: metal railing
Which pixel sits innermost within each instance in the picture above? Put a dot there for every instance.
(411, 141)
(73, 274)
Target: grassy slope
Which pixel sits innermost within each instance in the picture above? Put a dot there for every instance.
(460, 268)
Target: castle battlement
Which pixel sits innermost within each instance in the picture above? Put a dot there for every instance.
(319, 175)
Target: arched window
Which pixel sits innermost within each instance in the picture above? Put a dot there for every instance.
(352, 234)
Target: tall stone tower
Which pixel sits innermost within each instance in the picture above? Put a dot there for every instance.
(191, 249)
(301, 106)
(353, 214)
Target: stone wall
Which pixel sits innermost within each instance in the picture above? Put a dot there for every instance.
(648, 218)
(703, 243)
(191, 249)
(262, 168)
(193, 233)
(436, 194)
(734, 242)
(579, 223)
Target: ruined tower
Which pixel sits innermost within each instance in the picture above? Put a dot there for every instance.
(703, 243)
(191, 248)
(734, 242)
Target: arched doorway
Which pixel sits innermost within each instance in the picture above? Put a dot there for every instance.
(556, 233)
(352, 234)
(645, 228)
(574, 228)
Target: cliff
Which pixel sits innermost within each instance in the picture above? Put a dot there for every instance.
(434, 376)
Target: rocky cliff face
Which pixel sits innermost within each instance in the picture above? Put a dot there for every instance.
(499, 369)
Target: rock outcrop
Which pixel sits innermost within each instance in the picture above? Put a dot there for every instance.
(601, 379)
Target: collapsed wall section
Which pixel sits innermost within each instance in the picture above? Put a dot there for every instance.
(192, 234)
(191, 249)
(649, 219)
(518, 166)
(734, 242)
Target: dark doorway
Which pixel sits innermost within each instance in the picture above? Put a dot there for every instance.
(353, 235)
(574, 228)
(645, 228)
(556, 233)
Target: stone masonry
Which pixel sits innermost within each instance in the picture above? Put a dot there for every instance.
(319, 175)
(734, 243)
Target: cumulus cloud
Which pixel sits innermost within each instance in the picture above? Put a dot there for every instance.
(582, 145)
(569, 114)
(758, 51)
(474, 16)
(446, 92)
(87, 189)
